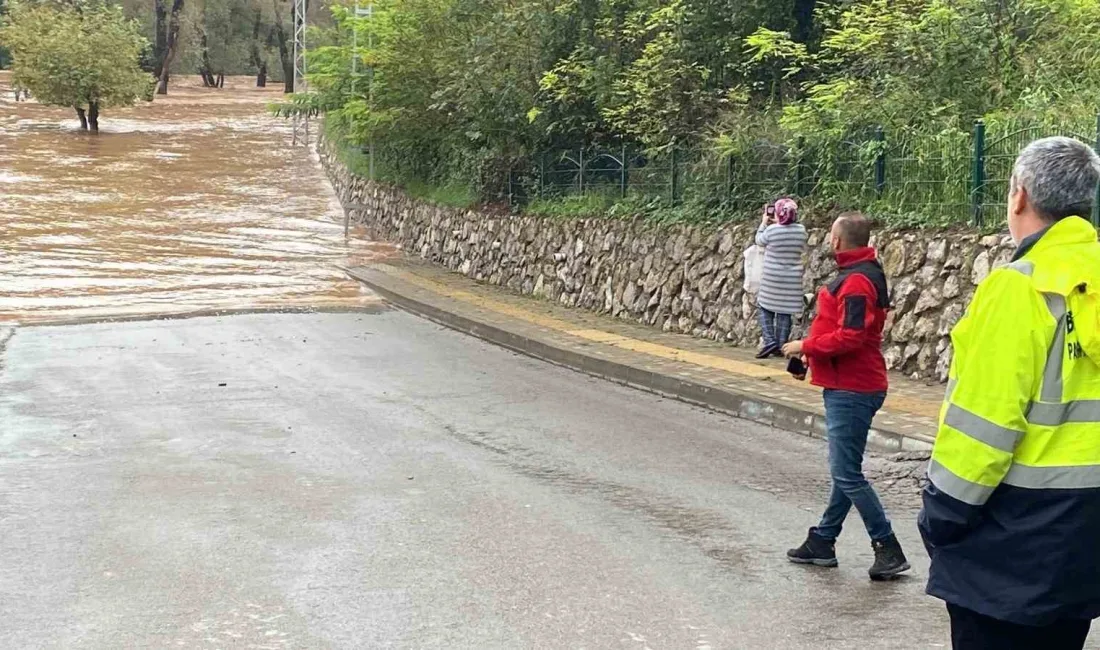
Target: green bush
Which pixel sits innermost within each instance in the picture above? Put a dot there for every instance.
(469, 98)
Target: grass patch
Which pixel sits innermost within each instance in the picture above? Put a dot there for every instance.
(574, 206)
(611, 205)
(455, 195)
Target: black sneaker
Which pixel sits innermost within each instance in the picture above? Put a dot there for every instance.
(767, 351)
(816, 550)
(890, 560)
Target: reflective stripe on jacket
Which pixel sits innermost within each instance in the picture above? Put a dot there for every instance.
(1011, 516)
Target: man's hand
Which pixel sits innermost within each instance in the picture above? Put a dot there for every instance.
(792, 349)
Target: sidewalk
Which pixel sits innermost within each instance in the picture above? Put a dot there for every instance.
(701, 372)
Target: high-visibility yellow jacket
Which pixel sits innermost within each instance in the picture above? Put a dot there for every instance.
(1011, 516)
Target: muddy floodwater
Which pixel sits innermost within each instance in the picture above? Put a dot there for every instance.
(194, 202)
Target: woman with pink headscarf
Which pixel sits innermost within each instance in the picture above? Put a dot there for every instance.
(780, 296)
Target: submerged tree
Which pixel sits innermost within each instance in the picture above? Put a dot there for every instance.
(86, 56)
(167, 27)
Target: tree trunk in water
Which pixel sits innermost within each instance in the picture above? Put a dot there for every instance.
(284, 51)
(160, 29)
(83, 118)
(171, 39)
(204, 68)
(255, 56)
(93, 117)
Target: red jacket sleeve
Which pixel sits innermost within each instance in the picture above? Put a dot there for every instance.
(855, 314)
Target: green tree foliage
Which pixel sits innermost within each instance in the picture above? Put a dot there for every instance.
(465, 90)
(219, 38)
(938, 64)
(85, 56)
(443, 89)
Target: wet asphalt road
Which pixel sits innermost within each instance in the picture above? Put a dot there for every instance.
(370, 480)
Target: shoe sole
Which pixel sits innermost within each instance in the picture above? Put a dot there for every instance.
(771, 352)
(892, 574)
(829, 564)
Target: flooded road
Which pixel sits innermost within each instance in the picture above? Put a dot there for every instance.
(194, 202)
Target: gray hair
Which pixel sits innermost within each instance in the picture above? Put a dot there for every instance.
(1060, 175)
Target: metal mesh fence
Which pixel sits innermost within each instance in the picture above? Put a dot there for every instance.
(950, 177)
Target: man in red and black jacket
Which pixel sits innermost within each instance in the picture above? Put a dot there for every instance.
(845, 358)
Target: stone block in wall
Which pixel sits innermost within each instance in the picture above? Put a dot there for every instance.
(652, 300)
(937, 251)
(951, 315)
(674, 282)
(930, 298)
(892, 356)
(951, 288)
(980, 269)
(906, 293)
(748, 309)
(911, 352)
(630, 294)
(943, 364)
(697, 309)
(893, 258)
(711, 287)
(725, 243)
(725, 318)
(903, 328)
(925, 328)
(926, 360)
(914, 254)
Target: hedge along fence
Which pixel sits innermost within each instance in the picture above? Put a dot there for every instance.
(948, 178)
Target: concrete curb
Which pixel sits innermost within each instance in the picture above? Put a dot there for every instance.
(737, 404)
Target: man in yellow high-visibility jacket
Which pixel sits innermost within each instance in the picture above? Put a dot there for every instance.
(1011, 516)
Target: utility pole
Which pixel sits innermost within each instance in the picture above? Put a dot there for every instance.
(364, 12)
(301, 122)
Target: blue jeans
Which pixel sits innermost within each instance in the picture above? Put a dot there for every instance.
(848, 417)
(776, 327)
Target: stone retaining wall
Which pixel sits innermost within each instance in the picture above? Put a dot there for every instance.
(685, 279)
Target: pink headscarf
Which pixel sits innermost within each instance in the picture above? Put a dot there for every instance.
(786, 211)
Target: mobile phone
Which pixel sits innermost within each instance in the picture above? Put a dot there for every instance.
(770, 210)
(796, 368)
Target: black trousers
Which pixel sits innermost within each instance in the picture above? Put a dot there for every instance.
(973, 631)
